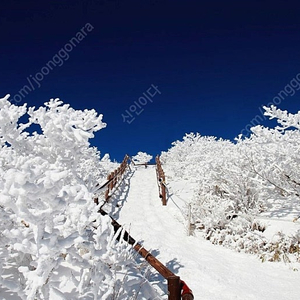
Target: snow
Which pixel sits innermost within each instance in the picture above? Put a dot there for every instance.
(50, 225)
(211, 271)
(243, 198)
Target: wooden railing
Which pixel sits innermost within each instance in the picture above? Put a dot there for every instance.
(177, 289)
(113, 180)
(161, 181)
(115, 177)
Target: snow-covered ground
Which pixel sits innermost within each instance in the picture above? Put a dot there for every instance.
(211, 271)
(55, 245)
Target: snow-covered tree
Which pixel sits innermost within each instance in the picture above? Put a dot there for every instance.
(53, 242)
(142, 158)
(238, 181)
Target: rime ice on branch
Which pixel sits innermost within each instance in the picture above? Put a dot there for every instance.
(47, 216)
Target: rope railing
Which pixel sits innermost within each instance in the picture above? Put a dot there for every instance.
(177, 288)
(161, 181)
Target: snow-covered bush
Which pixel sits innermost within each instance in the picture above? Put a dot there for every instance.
(141, 158)
(94, 169)
(53, 243)
(238, 181)
(216, 165)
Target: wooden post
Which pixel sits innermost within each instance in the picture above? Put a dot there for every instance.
(174, 288)
(108, 187)
(161, 177)
(163, 191)
(111, 185)
(115, 177)
(188, 297)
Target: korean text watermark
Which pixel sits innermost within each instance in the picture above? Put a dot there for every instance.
(289, 90)
(136, 107)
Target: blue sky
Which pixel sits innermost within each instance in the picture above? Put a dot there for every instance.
(215, 64)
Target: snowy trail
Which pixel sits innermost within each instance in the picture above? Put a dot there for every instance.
(212, 272)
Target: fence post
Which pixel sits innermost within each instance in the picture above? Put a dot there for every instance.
(115, 178)
(161, 177)
(174, 288)
(163, 191)
(108, 188)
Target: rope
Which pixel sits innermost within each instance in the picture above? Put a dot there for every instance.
(173, 193)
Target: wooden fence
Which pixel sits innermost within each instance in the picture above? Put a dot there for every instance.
(115, 177)
(177, 289)
(161, 181)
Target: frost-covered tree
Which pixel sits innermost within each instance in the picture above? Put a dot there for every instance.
(142, 158)
(237, 181)
(94, 169)
(53, 243)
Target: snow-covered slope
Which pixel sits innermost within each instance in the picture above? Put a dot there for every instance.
(211, 271)
(55, 245)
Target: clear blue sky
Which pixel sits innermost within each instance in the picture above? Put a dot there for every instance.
(215, 63)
